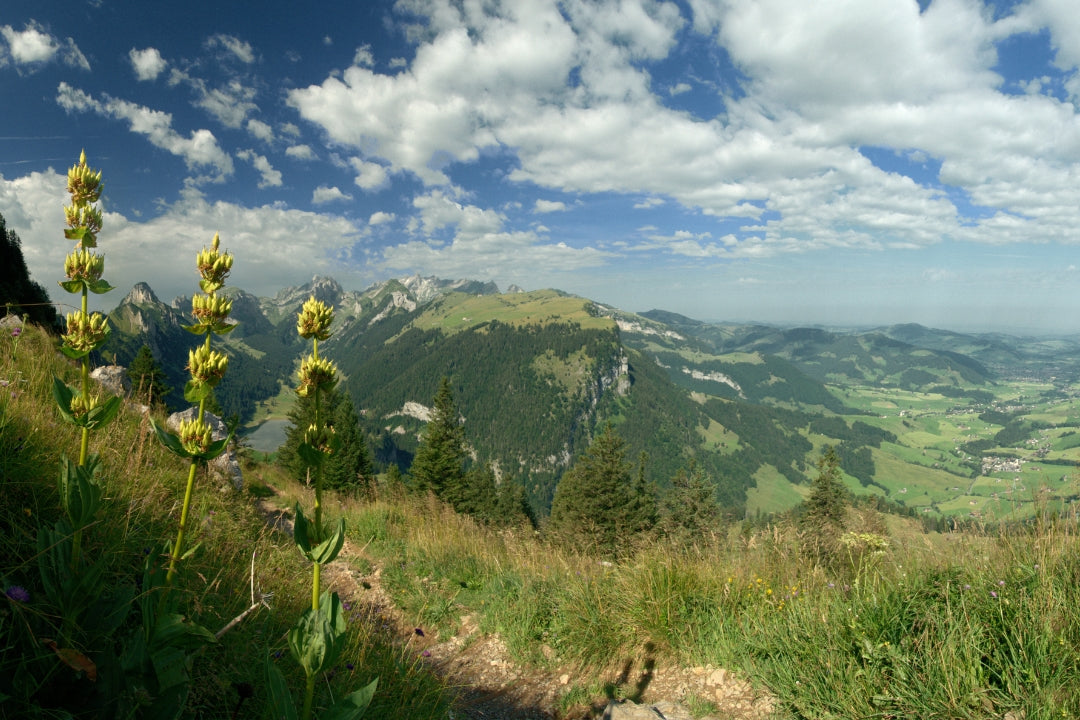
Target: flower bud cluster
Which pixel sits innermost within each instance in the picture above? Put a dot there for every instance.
(207, 366)
(315, 374)
(81, 404)
(214, 266)
(83, 217)
(210, 310)
(196, 436)
(85, 332)
(84, 184)
(314, 320)
(321, 438)
(82, 264)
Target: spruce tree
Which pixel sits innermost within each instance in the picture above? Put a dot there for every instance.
(148, 378)
(826, 506)
(595, 505)
(689, 509)
(349, 467)
(439, 464)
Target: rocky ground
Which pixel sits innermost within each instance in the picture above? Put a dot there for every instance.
(492, 686)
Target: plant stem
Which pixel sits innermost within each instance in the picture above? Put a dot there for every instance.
(309, 696)
(178, 546)
(84, 445)
(316, 570)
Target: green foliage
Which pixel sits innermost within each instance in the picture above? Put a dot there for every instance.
(148, 380)
(19, 295)
(825, 510)
(688, 510)
(439, 465)
(349, 467)
(597, 505)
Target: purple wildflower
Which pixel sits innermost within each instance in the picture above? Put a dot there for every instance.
(18, 593)
(16, 332)
(1001, 583)
(426, 653)
(349, 666)
(993, 594)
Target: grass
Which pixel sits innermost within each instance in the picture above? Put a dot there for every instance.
(970, 625)
(142, 488)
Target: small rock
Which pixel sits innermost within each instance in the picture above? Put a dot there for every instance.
(627, 710)
(113, 378)
(564, 679)
(718, 677)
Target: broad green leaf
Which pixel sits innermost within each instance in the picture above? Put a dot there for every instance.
(73, 353)
(102, 414)
(63, 396)
(311, 455)
(300, 532)
(169, 440)
(195, 392)
(196, 329)
(99, 287)
(352, 706)
(318, 636)
(328, 549)
(281, 701)
(225, 328)
(72, 286)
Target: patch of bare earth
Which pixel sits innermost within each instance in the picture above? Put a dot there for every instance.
(490, 685)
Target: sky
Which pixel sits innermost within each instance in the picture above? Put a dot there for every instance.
(836, 162)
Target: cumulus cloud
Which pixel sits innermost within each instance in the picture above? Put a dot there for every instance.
(369, 175)
(300, 152)
(381, 218)
(147, 63)
(548, 206)
(33, 46)
(199, 150)
(260, 130)
(324, 194)
(269, 176)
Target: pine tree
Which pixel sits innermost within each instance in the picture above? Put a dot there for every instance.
(594, 504)
(826, 506)
(689, 509)
(439, 464)
(148, 378)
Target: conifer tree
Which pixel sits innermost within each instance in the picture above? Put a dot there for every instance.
(826, 506)
(689, 509)
(349, 466)
(595, 504)
(19, 294)
(439, 464)
(148, 377)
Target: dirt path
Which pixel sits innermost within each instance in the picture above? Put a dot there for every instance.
(490, 685)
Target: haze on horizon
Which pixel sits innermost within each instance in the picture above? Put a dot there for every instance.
(844, 162)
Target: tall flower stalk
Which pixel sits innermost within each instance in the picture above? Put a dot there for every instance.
(194, 439)
(85, 332)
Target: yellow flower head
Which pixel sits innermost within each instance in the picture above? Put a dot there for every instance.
(85, 332)
(314, 319)
(81, 405)
(196, 436)
(84, 265)
(214, 266)
(210, 309)
(207, 366)
(314, 375)
(84, 184)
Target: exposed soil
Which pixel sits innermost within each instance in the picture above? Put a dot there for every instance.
(490, 685)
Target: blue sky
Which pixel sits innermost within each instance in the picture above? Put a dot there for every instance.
(839, 162)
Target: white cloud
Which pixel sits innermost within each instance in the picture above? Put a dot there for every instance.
(290, 129)
(381, 218)
(148, 63)
(34, 46)
(369, 175)
(363, 57)
(324, 194)
(548, 206)
(300, 152)
(679, 89)
(234, 46)
(200, 150)
(260, 130)
(269, 176)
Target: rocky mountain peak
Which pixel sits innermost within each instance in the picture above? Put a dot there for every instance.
(142, 294)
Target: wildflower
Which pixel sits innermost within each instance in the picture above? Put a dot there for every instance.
(210, 310)
(18, 331)
(349, 666)
(1001, 583)
(313, 320)
(314, 375)
(82, 264)
(207, 366)
(18, 593)
(196, 436)
(993, 594)
(426, 653)
(85, 332)
(214, 266)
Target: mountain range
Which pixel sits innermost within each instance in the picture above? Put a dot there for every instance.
(534, 374)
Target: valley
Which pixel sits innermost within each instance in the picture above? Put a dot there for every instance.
(939, 425)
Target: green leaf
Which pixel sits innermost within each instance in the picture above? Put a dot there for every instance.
(352, 706)
(328, 549)
(196, 329)
(300, 532)
(172, 631)
(281, 701)
(75, 233)
(73, 353)
(318, 636)
(63, 396)
(216, 448)
(98, 287)
(72, 286)
(169, 440)
(102, 414)
(170, 667)
(311, 455)
(225, 328)
(195, 392)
